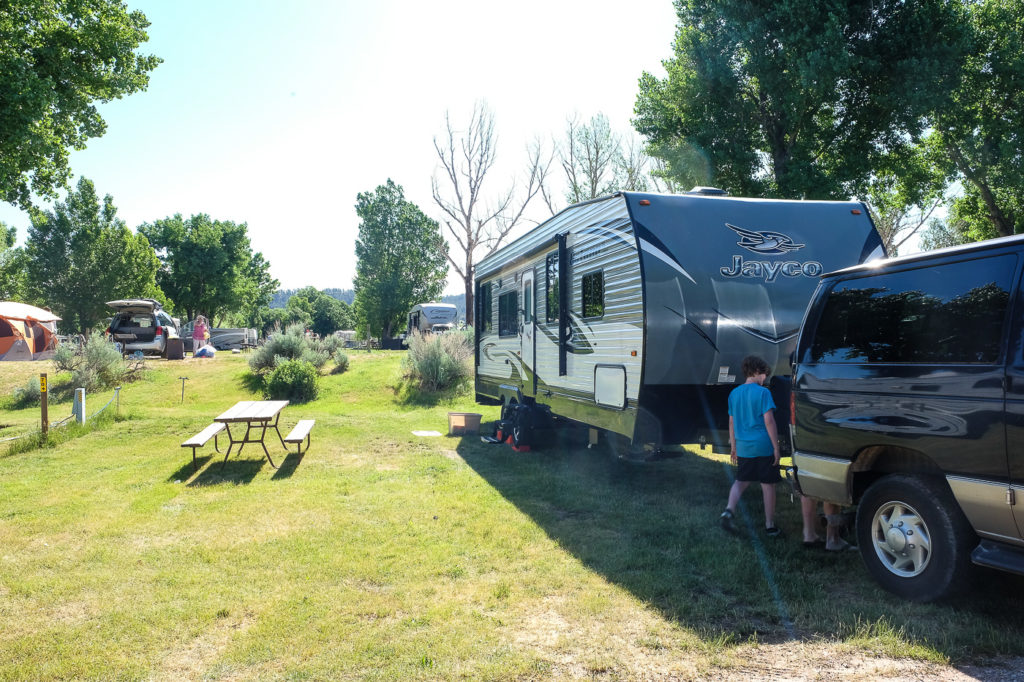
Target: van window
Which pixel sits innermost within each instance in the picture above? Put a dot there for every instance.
(508, 305)
(948, 313)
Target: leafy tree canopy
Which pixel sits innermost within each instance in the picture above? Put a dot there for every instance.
(12, 266)
(325, 314)
(57, 59)
(981, 134)
(797, 98)
(401, 259)
(208, 267)
(81, 255)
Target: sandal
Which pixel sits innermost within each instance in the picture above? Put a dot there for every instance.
(773, 532)
(814, 544)
(726, 520)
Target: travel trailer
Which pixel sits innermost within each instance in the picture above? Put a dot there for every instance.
(432, 317)
(632, 313)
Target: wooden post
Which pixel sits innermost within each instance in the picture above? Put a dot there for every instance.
(42, 396)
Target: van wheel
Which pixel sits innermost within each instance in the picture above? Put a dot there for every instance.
(913, 537)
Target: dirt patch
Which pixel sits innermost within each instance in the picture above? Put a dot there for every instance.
(644, 648)
(191, 661)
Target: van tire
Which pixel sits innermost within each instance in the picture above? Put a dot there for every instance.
(894, 514)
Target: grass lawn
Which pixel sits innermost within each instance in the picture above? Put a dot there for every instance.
(383, 555)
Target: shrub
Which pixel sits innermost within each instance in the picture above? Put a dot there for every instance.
(437, 362)
(291, 344)
(27, 395)
(96, 364)
(293, 380)
(340, 362)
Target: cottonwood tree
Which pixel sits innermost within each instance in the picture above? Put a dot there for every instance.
(12, 266)
(400, 259)
(80, 255)
(982, 132)
(478, 221)
(798, 98)
(208, 267)
(57, 59)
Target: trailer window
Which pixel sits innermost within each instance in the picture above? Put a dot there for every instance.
(507, 313)
(593, 294)
(949, 313)
(552, 288)
(486, 307)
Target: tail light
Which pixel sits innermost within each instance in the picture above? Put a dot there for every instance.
(159, 331)
(792, 408)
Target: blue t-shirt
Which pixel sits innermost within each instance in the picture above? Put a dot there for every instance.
(748, 404)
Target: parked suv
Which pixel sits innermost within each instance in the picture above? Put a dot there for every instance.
(141, 324)
(908, 399)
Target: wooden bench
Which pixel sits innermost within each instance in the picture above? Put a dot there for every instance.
(202, 438)
(300, 432)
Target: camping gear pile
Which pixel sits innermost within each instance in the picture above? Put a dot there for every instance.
(27, 332)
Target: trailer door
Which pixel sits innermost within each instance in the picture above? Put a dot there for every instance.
(527, 335)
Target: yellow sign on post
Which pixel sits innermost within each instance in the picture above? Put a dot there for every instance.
(42, 404)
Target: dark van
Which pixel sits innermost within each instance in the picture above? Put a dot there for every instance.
(908, 400)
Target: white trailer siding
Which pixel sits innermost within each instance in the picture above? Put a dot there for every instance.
(601, 247)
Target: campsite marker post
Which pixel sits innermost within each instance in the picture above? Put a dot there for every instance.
(42, 400)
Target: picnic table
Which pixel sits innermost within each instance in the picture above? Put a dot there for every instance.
(258, 416)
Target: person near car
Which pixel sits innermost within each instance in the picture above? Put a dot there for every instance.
(832, 541)
(199, 334)
(753, 442)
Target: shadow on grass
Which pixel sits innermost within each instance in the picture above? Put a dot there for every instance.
(288, 466)
(253, 383)
(409, 394)
(652, 528)
(234, 471)
(187, 470)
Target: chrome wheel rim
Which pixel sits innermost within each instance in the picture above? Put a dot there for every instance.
(901, 539)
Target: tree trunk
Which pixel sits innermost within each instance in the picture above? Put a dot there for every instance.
(470, 302)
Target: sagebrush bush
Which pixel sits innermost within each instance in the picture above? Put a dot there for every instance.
(27, 395)
(294, 380)
(340, 362)
(437, 362)
(291, 344)
(96, 364)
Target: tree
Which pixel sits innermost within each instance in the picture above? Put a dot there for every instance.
(797, 98)
(598, 161)
(56, 60)
(324, 314)
(982, 133)
(81, 255)
(476, 227)
(400, 259)
(588, 158)
(12, 266)
(208, 267)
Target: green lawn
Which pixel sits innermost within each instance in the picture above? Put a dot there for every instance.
(383, 555)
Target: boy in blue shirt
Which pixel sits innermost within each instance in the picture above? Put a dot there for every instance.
(753, 441)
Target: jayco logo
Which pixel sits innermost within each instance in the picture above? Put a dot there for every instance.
(768, 243)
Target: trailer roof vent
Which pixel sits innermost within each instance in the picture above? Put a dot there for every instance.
(708, 191)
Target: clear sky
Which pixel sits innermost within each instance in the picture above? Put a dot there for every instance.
(277, 114)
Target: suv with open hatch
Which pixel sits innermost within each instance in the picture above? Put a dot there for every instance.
(141, 324)
(908, 400)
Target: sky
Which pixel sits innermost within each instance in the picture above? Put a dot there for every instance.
(278, 114)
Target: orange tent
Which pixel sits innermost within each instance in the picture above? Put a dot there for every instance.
(26, 332)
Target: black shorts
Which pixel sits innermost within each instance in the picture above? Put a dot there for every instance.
(758, 470)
